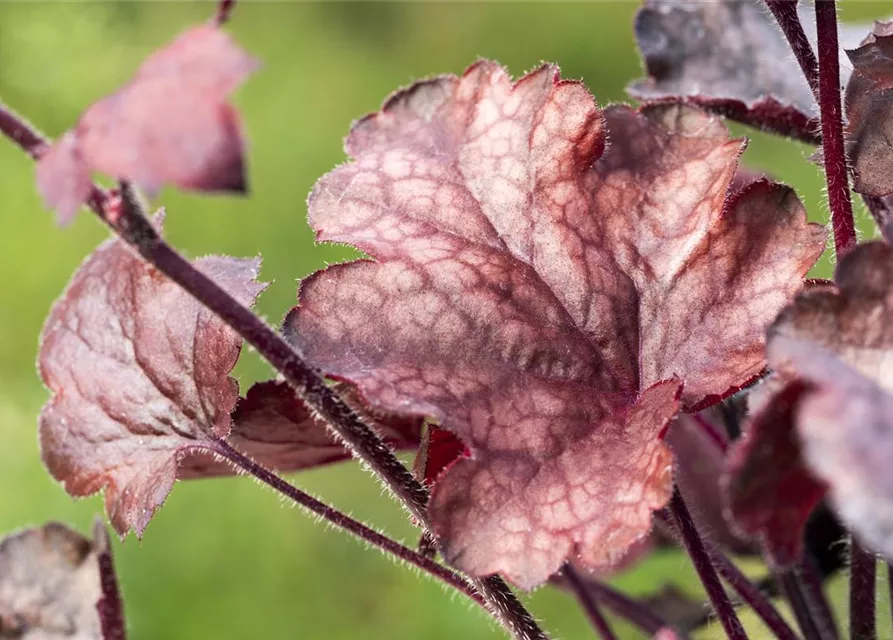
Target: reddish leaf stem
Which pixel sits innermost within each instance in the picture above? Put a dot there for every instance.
(697, 551)
(863, 569)
(625, 607)
(785, 13)
(110, 607)
(750, 594)
(224, 12)
(833, 150)
(822, 613)
(132, 226)
(711, 431)
(343, 521)
(588, 603)
(793, 589)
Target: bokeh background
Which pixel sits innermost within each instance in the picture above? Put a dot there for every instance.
(225, 558)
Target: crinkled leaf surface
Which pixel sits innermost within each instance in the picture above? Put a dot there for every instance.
(770, 492)
(49, 585)
(543, 297)
(869, 108)
(139, 376)
(839, 340)
(275, 428)
(731, 57)
(170, 124)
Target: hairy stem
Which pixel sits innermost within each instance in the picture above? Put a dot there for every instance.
(793, 589)
(814, 590)
(833, 150)
(587, 602)
(341, 520)
(685, 525)
(625, 607)
(863, 568)
(110, 606)
(750, 594)
(132, 226)
(785, 13)
(224, 12)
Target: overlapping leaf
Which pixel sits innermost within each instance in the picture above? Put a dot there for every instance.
(869, 108)
(544, 295)
(170, 124)
(275, 428)
(840, 341)
(770, 491)
(730, 57)
(139, 373)
(49, 585)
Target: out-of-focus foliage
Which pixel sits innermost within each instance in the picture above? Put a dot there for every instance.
(224, 560)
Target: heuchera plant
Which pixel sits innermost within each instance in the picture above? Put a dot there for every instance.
(591, 325)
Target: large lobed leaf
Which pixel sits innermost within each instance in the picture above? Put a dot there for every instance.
(545, 295)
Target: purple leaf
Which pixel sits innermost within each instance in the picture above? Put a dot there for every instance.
(544, 297)
(139, 373)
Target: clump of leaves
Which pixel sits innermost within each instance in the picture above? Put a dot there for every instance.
(591, 325)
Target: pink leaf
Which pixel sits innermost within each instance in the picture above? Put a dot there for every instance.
(49, 585)
(139, 373)
(543, 298)
(170, 124)
(275, 428)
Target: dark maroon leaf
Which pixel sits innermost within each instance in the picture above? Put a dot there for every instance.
(439, 450)
(543, 297)
(139, 373)
(275, 428)
(49, 585)
(869, 108)
(170, 124)
(731, 58)
(770, 492)
(839, 341)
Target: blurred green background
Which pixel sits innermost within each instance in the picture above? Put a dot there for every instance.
(224, 559)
